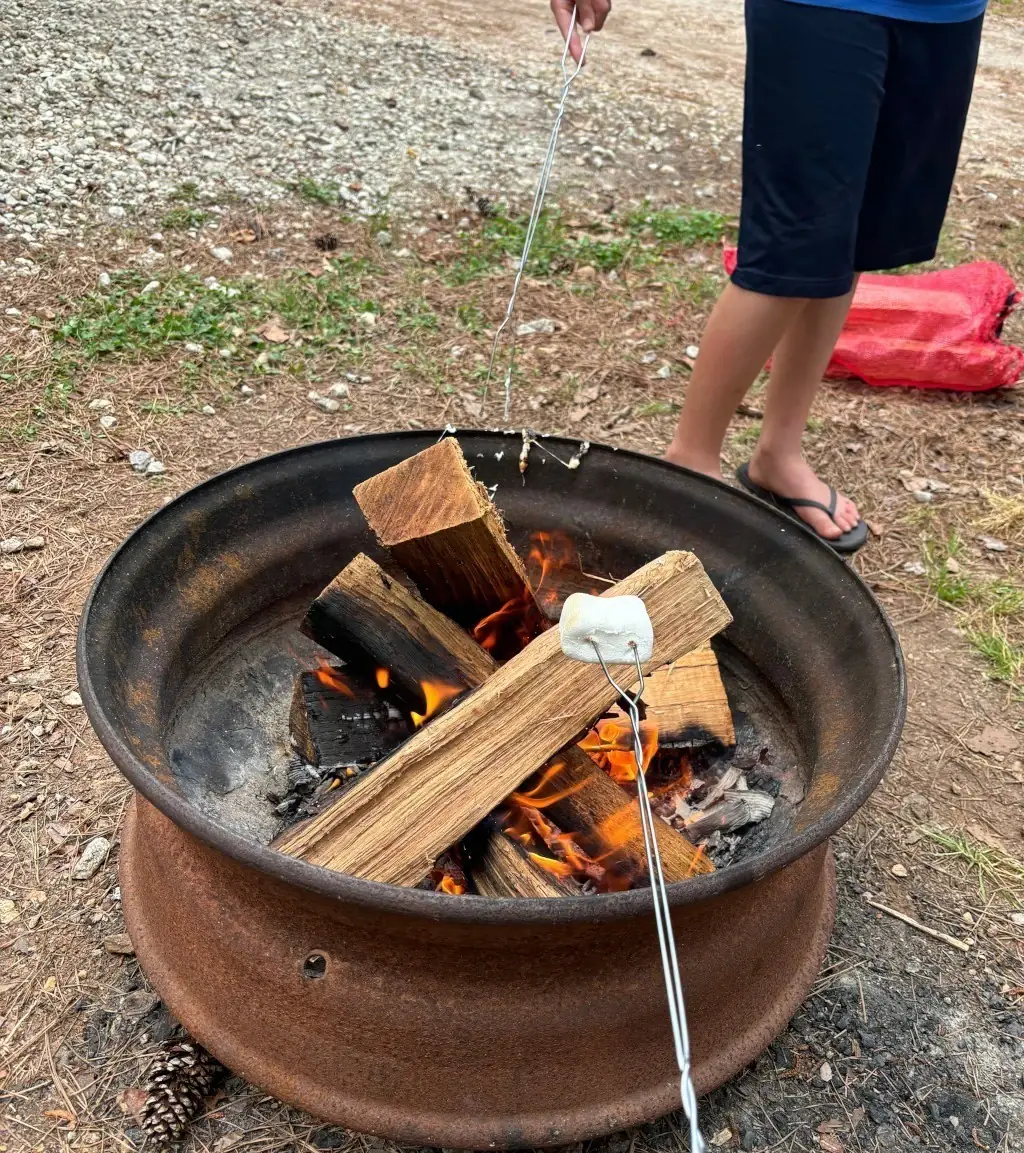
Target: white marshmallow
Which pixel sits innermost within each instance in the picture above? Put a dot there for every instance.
(614, 624)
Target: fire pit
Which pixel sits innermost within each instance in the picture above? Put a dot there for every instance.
(463, 1021)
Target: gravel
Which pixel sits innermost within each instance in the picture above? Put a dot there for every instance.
(109, 106)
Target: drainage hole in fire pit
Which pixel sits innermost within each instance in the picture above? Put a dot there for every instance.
(315, 966)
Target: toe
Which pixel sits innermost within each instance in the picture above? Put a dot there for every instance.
(822, 524)
(846, 514)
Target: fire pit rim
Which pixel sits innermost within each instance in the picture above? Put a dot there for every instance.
(478, 910)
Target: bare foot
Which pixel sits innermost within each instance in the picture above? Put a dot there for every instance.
(793, 477)
(699, 462)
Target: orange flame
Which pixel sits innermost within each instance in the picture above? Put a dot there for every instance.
(436, 694)
(558, 868)
(610, 744)
(383, 678)
(510, 629)
(332, 678)
(550, 552)
(450, 885)
(538, 798)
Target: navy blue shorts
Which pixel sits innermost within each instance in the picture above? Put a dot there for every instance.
(851, 132)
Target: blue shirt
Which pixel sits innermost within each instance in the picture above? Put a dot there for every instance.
(925, 11)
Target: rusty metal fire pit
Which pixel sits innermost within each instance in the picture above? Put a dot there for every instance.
(459, 1021)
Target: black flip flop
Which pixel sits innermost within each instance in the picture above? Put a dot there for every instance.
(850, 541)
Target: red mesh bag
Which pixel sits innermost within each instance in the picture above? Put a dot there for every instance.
(929, 330)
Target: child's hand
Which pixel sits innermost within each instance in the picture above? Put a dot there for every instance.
(590, 17)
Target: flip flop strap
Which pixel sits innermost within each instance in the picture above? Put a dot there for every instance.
(800, 502)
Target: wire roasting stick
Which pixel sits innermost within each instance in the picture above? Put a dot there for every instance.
(569, 74)
(622, 627)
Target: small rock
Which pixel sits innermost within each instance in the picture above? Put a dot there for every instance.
(384, 238)
(691, 351)
(8, 912)
(924, 497)
(120, 944)
(116, 212)
(103, 280)
(543, 325)
(992, 544)
(156, 468)
(13, 485)
(648, 358)
(1017, 918)
(140, 459)
(476, 93)
(14, 544)
(73, 699)
(648, 52)
(221, 253)
(208, 410)
(194, 348)
(915, 568)
(368, 319)
(108, 422)
(12, 311)
(100, 404)
(149, 288)
(722, 1137)
(992, 741)
(899, 870)
(324, 403)
(825, 1072)
(665, 371)
(93, 856)
(953, 566)
(138, 1003)
(245, 390)
(338, 390)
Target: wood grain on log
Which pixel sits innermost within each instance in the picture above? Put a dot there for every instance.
(394, 822)
(440, 525)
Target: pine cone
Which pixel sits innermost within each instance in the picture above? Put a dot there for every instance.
(181, 1080)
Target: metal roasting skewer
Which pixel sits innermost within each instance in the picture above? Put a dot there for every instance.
(569, 74)
(662, 909)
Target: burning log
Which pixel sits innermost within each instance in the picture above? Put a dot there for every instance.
(435, 788)
(338, 718)
(366, 617)
(507, 869)
(590, 804)
(687, 701)
(440, 525)
(370, 620)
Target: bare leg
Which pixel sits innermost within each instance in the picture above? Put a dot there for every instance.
(798, 364)
(740, 335)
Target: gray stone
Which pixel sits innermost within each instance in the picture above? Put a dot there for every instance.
(93, 856)
(140, 459)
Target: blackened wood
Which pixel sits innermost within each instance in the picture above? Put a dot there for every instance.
(339, 718)
(371, 620)
(505, 870)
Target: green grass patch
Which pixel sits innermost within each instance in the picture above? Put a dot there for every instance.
(658, 408)
(997, 873)
(184, 217)
(1005, 659)
(317, 192)
(674, 226)
(126, 322)
(947, 580)
(633, 240)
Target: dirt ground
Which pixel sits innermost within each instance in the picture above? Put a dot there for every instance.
(906, 1042)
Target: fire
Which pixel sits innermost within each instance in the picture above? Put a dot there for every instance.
(610, 744)
(550, 552)
(538, 797)
(436, 694)
(331, 678)
(558, 868)
(450, 885)
(510, 629)
(383, 678)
